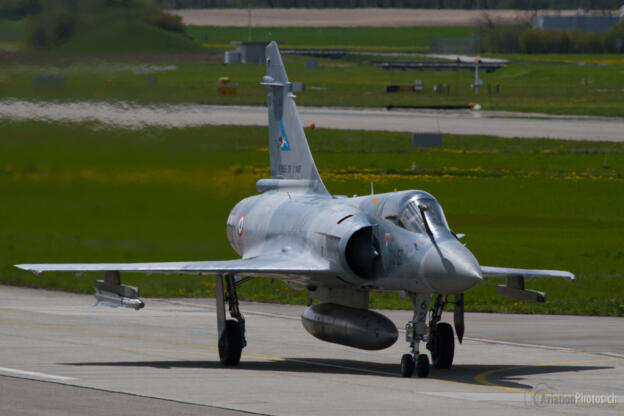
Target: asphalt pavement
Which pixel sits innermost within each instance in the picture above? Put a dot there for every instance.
(467, 122)
(60, 355)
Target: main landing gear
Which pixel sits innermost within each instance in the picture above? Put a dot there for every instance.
(439, 338)
(231, 331)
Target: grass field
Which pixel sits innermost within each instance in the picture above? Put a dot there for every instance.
(93, 65)
(122, 36)
(112, 33)
(11, 34)
(529, 87)
(90, 193)
(12, 26)
(581, 59)
(415, 39)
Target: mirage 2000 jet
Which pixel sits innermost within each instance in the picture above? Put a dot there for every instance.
(337, 248)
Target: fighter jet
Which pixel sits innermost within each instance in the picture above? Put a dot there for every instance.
(337, 248)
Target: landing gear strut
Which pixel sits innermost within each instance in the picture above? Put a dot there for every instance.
(415, 332)
(231, 331)
(439, 336)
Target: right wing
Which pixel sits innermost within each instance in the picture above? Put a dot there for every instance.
(278, 266)
(301, 269)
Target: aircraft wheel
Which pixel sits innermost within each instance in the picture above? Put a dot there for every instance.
(230, 344)
(443, 346)
(422, 366)
(407, 365)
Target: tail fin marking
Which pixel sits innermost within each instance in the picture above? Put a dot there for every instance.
(288, 147)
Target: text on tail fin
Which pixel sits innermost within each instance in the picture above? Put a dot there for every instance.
(288, 147)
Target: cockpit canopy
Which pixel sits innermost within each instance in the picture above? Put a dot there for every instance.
(407, 211)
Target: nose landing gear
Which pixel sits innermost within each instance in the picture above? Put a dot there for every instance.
(415, 332)
(439, 337)
(421, 365)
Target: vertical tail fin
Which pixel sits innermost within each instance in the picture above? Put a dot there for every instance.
(288, 147)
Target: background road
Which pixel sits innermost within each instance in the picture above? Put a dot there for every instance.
(368, 17)
(450, 122)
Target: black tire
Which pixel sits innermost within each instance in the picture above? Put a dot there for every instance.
(407, 365)
(422, 366)
(230, 344)
(443, 346)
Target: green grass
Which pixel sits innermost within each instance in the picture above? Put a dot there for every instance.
(11, 35)
(90, 193)
(608, 58)
(120, 32)
(373, 38)
(527, 87)
(12, 26)
(119, 35)
(112, 32)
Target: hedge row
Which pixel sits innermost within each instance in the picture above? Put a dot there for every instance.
(522, 39)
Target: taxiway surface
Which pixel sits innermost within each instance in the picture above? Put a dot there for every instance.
(502, 124)
(59, 355)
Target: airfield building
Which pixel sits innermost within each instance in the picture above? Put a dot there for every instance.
(581, 22)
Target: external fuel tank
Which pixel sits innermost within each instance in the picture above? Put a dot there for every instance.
(359, 328)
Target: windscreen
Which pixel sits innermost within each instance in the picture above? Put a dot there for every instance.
(411, 216)
(434, 214)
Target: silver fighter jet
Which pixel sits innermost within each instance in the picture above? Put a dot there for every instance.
(337, 248)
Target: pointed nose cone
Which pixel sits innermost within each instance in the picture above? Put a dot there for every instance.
(451, 268)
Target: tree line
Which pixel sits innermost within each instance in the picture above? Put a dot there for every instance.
(53, 22)
(523, 39)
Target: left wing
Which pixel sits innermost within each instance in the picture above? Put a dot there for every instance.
(515, 281)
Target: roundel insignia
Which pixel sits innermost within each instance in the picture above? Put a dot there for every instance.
(241, 225)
